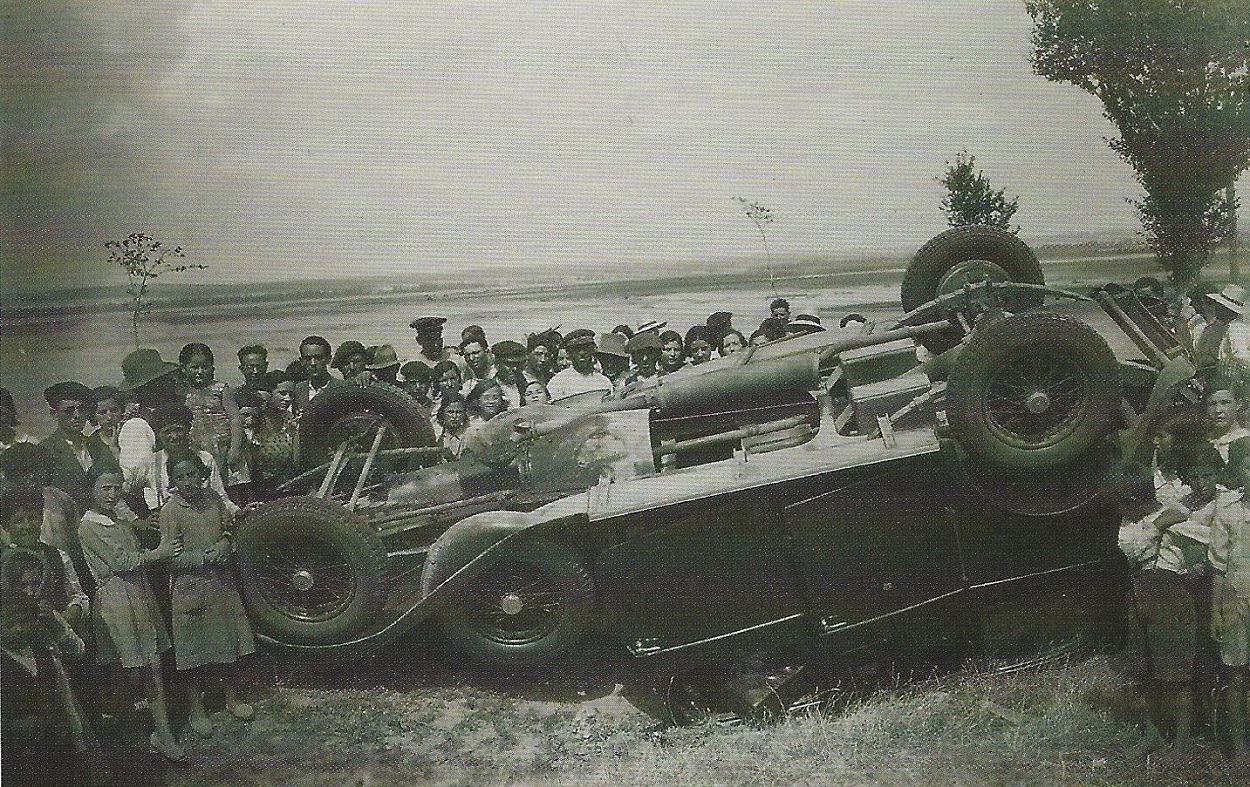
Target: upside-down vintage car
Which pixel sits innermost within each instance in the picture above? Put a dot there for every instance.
(847, 495)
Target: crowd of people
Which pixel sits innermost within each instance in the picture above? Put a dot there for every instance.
(116, 526)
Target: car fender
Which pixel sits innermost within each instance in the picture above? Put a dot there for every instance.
(471, 544)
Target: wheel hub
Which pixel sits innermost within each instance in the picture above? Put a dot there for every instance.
(302, 580)
(1037, 402)
(511, 604)
(971, 272)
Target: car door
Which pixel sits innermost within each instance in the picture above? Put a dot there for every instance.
(878, 554)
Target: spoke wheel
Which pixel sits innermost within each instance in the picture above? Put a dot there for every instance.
(311, 572)
(1033, 391)
(348, 411)
(529, 606)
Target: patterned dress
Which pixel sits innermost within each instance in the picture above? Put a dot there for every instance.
(209, 624)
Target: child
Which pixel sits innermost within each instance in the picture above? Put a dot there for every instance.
(109, 408)
(127, 620)
(454, 420)
(217, 424)
(1229, 555)
(172, 423)
(209, 625)
(44, 723)
(21, 517)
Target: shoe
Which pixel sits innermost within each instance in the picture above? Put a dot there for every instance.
(202, 725)
(241, 710)
(174, 754)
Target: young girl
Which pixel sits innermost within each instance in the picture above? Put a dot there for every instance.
(485, 401)
(128, 623)
(210, 627)
(453, 420)
(217, 423)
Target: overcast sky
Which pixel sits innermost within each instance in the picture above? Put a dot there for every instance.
(282, 140)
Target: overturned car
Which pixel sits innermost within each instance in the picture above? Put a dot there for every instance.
(834, 490)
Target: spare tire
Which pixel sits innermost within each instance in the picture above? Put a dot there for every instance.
(1033, 391)
(968, 255)
(311, 572)
(345, 411)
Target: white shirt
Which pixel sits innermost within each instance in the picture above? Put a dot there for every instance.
(570, 382)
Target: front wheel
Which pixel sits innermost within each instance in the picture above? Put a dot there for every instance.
(311, 571)
(528, 606)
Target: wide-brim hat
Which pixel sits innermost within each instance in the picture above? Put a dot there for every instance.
(428, 324)
(807, 323)
(346, 350)
(382, 357)
(1231, 301)
(142, 367)
(612, 344)
(652, 325)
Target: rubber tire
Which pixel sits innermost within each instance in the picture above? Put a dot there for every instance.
(292, 520)
(577, 596)
(974, 242)
(1033, 335)
(408, 427)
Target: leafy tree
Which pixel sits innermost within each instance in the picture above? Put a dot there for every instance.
(144, 258)
(971, 200)
(1174, 78)
(761, 217)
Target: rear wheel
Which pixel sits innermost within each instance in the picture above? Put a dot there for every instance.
(346, 412)
(1033, 391)
(528, 606)
(311, 571)
(968, 256)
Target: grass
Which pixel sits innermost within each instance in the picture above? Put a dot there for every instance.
(1071, 723)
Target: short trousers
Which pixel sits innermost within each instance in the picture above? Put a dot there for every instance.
(1230, 623)
(1169, 621)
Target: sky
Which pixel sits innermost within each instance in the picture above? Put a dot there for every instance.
(327, 139)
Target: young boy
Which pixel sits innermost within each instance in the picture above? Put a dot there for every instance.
(1169, 544)
(1229, 555)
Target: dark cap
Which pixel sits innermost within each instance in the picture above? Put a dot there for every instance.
(428, 324)
(580, 337)
(73, 391)
(509, 350)
(346, 350)
(642, 341)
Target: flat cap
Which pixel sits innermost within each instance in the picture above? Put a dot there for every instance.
(510, 351)
(73, 391)
(643, 341)
(580, 337)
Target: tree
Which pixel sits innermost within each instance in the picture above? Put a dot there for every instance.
(971, 200)
(1173, 77)
(762, 217)
(144, 258)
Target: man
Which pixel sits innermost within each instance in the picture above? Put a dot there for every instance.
(542, 355)
(804, 324)
(581, 376)
(384, 364)
(430, 338)
(253, 364)
(314, 353)
(152, 382)
(351, 359)
(510, 359)
(72, 453)
(645, 350)
(613, 358)
(779, 309)
(477, 355)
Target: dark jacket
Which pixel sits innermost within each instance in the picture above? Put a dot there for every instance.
(68, 475)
